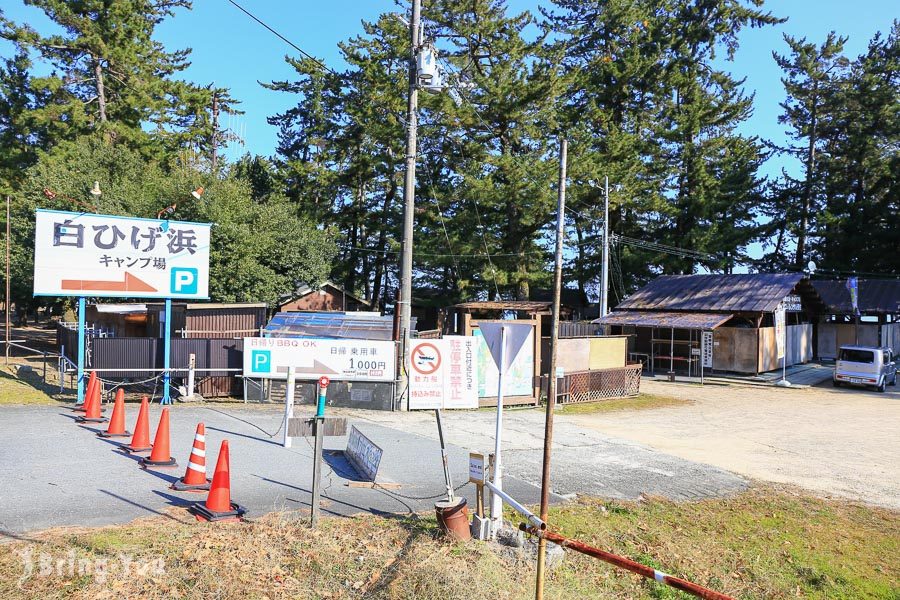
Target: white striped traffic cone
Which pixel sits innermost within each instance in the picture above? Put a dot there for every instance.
(194, 479)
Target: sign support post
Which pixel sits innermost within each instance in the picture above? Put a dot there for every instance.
(496, 500)
(167, 351)
(447, 480)
(319, 433)
(288, 405)
(81, 308)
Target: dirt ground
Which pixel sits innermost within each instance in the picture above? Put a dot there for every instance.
(835, 442)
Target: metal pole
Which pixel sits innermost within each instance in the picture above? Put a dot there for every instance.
(409, 201)
(551, 387)
(288, 405)
(7, 279)
(496, 500)
(444, 458)
(628, 564)
(192, 362)
(604, 274)
(80, 392)
(319, 433)
(167, 351)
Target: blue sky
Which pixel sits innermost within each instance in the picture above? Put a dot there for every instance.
(233, 51)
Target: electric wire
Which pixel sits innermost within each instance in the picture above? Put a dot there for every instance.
(284, 39)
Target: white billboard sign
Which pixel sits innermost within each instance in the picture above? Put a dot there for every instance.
(444, 373)
(707, 349)
(312, 358)
(81, 254)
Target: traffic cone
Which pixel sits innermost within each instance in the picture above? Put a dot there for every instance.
(160, 456)
(117, 420)
(93, 413)
(218, 505)
(194, 479)
(92, 381)
(140, 442)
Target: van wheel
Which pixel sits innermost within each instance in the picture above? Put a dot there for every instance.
(880, 386)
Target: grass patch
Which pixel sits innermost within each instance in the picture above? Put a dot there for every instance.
(14, 390)
(640, 402)
(765, 543)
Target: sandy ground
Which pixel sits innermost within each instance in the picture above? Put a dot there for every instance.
(836, 442)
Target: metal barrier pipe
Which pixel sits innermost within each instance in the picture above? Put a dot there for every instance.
(628, 564)
(533, 518)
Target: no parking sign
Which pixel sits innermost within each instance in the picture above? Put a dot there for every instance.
(443, 373)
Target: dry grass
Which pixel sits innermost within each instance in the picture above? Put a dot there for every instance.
(27, 389)
(640, 402)
(765, 543)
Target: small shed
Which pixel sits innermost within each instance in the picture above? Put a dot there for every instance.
(525, 386)
(877, 322)
(326, 297)
(666, 321)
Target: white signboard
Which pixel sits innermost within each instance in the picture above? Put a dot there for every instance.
(792, 303)
(339, 360)
(707, 349)
(476, 468)
(779, 331)
(363, 454)
(444, 373)
(80, 254)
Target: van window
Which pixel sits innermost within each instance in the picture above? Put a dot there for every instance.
(857, 356)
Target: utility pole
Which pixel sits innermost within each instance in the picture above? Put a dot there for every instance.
(551, 379)
(604, 274)
(409, 201)
(215, 132)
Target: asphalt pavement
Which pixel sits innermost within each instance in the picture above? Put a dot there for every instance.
(55, 472)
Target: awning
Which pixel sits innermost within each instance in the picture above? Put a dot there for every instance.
(678, 320)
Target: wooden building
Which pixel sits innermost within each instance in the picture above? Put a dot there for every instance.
(666, 320)
(326, 297)
(876, 323)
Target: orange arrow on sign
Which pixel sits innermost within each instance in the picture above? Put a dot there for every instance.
(130, 284)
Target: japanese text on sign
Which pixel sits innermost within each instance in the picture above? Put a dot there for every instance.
(312, 358)
(444, 373)
(80, 254)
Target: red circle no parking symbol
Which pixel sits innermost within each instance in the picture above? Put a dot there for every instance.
(426, 358)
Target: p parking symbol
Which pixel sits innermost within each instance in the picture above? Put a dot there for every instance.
(184, 281)
(260, 361)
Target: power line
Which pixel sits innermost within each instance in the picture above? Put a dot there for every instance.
(284, 39)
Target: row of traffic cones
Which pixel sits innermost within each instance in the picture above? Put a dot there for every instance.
(218, 505)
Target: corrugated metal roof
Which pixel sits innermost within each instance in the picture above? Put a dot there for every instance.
(881, 296)
(359, 326)
(750, 292)
(678, 320)
(526, 305)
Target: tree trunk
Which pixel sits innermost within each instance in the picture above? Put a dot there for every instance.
(810, 174)
(377, 293)
(101, 91)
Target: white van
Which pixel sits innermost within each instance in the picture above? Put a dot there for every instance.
(865, 365)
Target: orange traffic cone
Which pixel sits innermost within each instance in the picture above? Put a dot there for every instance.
(117, 420)
(160, 456)
(93, 413)
(194, 479)
(92, 381)
(140, 442)
(218, 505)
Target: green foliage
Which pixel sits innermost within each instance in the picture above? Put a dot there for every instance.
(844, 121)
(259, 252)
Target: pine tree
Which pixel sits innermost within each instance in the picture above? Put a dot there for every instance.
(109, 74)
(810, 76)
